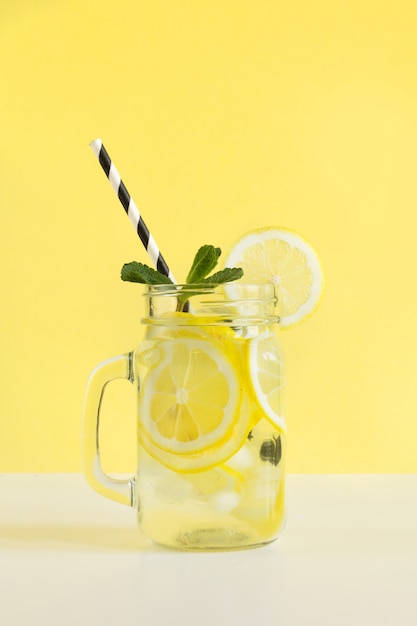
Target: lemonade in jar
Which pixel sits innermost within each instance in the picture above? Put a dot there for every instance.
(211, 433)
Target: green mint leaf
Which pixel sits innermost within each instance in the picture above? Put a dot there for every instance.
(227, 275)
(204, 262)
(135, 272)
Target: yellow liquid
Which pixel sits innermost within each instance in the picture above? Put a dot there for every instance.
(233, 503)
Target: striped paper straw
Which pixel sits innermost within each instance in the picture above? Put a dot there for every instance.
(131, 208)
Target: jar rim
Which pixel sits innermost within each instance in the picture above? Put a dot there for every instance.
(250, 303)
(265, 288)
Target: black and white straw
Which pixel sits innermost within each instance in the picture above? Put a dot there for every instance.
(130, 208)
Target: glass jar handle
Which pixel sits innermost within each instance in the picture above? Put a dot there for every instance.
(121, 490)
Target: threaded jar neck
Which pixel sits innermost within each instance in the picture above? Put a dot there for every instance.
(233, 304)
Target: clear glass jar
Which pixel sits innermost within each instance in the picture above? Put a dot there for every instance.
(210, 426)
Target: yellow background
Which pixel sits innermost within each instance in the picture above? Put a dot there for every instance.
(222, 116)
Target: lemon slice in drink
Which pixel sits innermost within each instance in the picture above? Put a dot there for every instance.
(284, 258)
(267, 377)
(190, 405)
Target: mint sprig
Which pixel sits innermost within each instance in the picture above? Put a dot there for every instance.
(204, 262)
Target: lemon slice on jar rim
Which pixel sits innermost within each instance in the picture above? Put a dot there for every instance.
(285, 259)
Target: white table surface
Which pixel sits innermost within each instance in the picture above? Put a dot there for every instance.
(348, 556)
